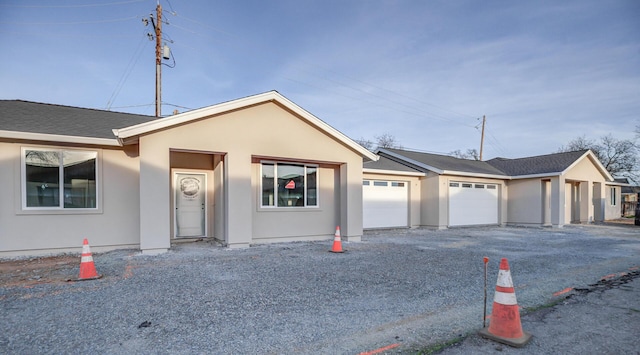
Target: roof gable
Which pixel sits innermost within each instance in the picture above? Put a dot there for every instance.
(133, 132)
(547, 165)
(541, 164)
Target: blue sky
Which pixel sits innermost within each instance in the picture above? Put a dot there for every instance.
(543, 72)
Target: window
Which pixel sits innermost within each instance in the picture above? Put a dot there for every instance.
(289, 185)
(397, 184)
(466, 186)
(491, 187)
(366, 183)
(454, 184)
(613, 196)
(380, 183)
(59, 179)
(479, 186)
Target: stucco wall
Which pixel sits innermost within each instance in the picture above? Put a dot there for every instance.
(525, 202)
(265, 131)
(434, 204)
(612, 211)
(115, 225)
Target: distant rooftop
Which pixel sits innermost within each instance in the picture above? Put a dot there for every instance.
(541, 164)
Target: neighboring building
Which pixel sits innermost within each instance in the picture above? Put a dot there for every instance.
(629, 197)
(254, 170)
(443, 191)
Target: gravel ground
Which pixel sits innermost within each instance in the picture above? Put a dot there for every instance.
(402, 290)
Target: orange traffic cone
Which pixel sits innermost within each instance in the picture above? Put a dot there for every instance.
(505, 326)
(87, 268)
(337, 244)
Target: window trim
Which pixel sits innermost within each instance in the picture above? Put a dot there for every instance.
(614, 196)
(22, 207)
(275, 206)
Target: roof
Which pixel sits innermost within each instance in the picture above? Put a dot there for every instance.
(443, 164)
(385, 165)
(503, 168)
(132, 132)
(541, 164)
(57, 120)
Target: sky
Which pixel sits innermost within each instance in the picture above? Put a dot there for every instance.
(425, 72)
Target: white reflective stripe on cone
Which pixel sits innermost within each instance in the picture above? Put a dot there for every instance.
(86, 249)
(86, 259)
(507, 299)
(504, 278)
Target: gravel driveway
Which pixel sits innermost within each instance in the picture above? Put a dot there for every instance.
(401, 290)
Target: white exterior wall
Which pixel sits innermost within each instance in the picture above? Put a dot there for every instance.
(114, 225)
(433, 211)
(525, 202)
(265, 131)
(612, 211)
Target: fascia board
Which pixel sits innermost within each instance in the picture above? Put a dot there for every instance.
(478, 175)
(410, 161)
(59, 138)
(613, 183)
(392, 172)
(535, 176)
(186, 117)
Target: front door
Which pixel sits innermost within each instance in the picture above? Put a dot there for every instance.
(190, 204)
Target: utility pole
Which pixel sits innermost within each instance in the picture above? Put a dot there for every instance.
(158, 28)
(484, 119)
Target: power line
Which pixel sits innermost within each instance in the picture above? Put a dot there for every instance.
(71, 6)
(70, 23)
(128, 70)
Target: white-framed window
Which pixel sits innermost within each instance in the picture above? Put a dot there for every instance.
(288, 185)
(614, 196)
(59, 179)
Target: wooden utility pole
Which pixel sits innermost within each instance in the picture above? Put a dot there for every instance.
(484, 119)
(158, 28)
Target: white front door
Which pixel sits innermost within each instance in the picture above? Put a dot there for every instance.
(190, 204)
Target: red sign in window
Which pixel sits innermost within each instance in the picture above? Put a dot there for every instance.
(290, 185)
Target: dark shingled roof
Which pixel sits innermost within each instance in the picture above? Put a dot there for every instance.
(445, 162)
(385, 163)
(34, 117)
(541, 164)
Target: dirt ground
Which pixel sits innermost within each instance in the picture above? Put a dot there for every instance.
(37, 270)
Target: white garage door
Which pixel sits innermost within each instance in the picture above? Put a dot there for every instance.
(385, 204)
(472, 203)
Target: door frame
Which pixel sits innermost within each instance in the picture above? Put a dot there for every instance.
(174, 186)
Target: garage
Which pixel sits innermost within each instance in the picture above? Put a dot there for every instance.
(473, 203)
(385, 204)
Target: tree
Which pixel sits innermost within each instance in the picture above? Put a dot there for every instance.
(471, 154)
(619, 156)
(385, 140)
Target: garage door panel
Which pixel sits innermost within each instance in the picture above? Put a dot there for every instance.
(474, 205)
(384, 204)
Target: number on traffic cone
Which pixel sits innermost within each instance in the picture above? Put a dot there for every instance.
(337, 243)
(87, 267)
(505, 326)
